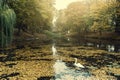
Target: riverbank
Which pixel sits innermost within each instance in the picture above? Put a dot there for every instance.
(96, 35)
(37, 63)
(104, 36)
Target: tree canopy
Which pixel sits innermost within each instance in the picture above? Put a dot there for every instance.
(87, 16)
(33, 15)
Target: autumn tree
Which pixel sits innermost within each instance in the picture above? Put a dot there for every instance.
(33, 15)
(74, 17)
(88, 15)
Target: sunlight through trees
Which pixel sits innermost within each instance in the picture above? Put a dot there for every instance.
(88, 16)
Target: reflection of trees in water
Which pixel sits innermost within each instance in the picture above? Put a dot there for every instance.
(117, 48)
(111, 46)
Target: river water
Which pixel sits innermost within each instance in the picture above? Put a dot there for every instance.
(108, 45)
(64, 72)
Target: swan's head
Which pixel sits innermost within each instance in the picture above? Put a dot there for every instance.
(75, 58)
(53, 44)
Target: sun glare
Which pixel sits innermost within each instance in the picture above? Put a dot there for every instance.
(61, 4)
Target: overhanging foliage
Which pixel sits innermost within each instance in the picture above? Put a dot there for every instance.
(7, 21)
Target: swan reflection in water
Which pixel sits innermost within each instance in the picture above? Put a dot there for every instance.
(54, 50)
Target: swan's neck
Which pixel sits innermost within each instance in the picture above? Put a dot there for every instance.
(53, 46)
(75, 60)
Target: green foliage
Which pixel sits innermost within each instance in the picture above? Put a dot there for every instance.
(7, 21)
(75, 18)
(88, 15)
(33, 15)
(52, 35)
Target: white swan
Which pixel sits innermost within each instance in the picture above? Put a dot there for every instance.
(78, 64)
(54, 50)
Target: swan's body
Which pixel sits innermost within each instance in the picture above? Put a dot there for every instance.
(78, 64)
(54, 50)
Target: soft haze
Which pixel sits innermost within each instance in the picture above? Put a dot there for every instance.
(61, 4)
